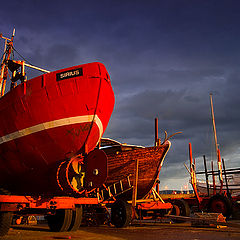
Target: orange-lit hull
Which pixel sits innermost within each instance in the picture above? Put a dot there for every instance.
(122, 163)
(49, 119)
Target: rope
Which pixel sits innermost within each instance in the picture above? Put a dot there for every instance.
(2, 56)
(22, 56)
(95, 111)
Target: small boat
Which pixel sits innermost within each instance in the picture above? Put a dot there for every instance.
(122, 167)
(233, 186)
(229, 179)
(49, 124)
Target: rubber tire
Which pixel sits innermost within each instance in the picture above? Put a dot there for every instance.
(175, 210)
(184, 209)
(121, 214)
(61, 221)
(220, 204)
(5, 218)
(76, 219)
(5, 222)
(101, 216)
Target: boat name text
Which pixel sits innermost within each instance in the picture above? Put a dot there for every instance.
(69, 74)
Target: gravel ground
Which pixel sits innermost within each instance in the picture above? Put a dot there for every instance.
(148, 231)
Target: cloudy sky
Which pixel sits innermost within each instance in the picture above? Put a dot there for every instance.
(164, 57)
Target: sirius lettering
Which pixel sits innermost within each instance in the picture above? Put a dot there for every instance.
(69, 74)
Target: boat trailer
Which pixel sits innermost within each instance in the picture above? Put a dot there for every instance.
(66, 213)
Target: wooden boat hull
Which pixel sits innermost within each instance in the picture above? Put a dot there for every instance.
(49, 119)
(122, 164)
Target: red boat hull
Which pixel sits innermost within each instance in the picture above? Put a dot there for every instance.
(48, 119)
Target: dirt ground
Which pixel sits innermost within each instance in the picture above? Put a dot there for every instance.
(148, 231)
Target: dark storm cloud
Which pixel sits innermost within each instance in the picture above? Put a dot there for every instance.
(164, 58)
(186, 110)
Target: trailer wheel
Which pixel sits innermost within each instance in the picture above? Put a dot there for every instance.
(175, 210)
(5, 217)
(220, 204)
(76, 219)
(61, 221)
(5, 222)
(182, 209)
(101, 215)
(121, 214)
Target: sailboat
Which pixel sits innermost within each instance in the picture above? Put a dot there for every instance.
(230, 183)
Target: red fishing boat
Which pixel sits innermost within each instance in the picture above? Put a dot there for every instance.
(49, 126)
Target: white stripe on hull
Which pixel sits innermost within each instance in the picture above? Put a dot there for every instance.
(53, 124)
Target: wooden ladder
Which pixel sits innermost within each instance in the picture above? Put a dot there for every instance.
(116, 189)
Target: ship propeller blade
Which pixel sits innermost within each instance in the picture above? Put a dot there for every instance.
(77, 175)
(76, 166)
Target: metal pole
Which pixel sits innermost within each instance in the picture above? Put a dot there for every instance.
(37, 68)
(4, 69)
(193, 176)
(134, 193)
(213, 122)
(225, 175)
(156, 132)
(216, 145)
(206, 174)
(220, 171)
(213, 178)
(157, 143)
(3, 65)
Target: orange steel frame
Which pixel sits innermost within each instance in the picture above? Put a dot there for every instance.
(17, 203)
(155, 205)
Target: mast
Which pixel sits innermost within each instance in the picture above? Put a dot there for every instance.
(214, 125)
(216, 145)
(13, 66)
(8, 47)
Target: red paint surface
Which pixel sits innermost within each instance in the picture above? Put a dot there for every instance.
(27, 163)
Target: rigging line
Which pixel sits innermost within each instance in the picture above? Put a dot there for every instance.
(22, 56)
(3, 54)
(12, 54)
(95, 112)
